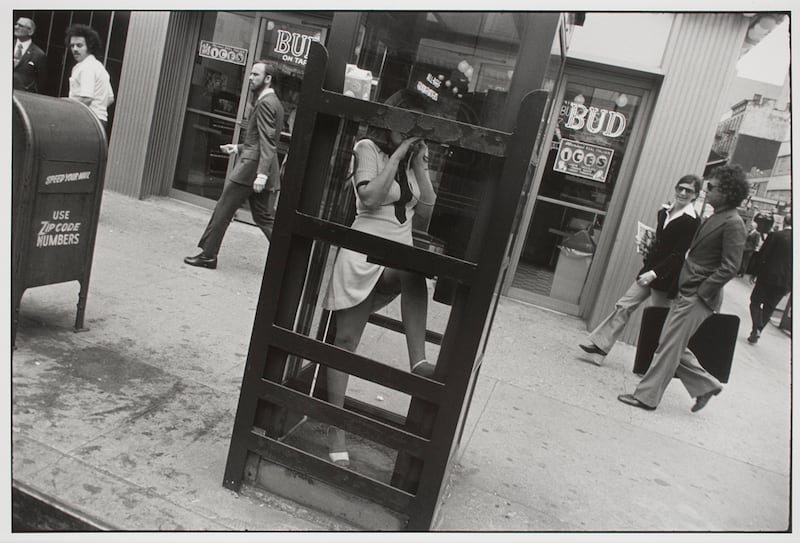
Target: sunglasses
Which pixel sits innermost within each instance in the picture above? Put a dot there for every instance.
(687, 190)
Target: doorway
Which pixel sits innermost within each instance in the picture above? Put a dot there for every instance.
(217, 108)
(594, 141)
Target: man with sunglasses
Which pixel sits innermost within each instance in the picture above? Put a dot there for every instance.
(712, 260)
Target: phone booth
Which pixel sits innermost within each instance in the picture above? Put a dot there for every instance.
(403, 429)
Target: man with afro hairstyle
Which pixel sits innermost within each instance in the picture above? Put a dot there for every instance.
(89, 82)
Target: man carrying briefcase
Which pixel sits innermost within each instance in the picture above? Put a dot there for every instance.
(713, 259)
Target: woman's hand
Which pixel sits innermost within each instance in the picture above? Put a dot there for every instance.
(420, 150)
(646, 278)
(404, 147)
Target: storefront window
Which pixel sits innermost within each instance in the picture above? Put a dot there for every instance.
(470, 58)
(215, 92)
(229, 43)
(594, 125)
(579, 178)
(287, 44)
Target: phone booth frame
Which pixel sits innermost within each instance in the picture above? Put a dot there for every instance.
(427, 438)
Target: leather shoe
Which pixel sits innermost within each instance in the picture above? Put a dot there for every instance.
(630, 400)
(701, 401)
(202, 261)
(592, 349)
(753, 339)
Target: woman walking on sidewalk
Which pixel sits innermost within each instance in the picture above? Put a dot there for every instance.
(658, 278)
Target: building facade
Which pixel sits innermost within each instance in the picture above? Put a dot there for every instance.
(752, 134)
(625, 122)
(756, 134)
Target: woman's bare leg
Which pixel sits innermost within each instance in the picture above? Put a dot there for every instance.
(413, 310)
(350, 325)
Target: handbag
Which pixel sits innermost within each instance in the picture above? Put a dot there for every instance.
(713, 343)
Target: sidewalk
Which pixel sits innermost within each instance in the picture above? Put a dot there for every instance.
(130, 422)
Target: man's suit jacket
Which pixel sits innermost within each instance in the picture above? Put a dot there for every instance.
(667, 253)
(774, 266)
(714, 257)
(31, 72)
(258, 152)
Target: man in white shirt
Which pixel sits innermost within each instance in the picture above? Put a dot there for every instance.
(89, 82)
(30, 62)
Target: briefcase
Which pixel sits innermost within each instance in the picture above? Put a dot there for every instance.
(713, 343)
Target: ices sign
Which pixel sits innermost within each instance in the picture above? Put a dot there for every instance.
(583, 160)
(225, 53)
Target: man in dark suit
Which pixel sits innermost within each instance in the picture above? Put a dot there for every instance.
(712, 260)
(773, 277)
(30, 62)
(256, 175)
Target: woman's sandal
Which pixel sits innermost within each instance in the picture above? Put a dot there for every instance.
(340, 458)
(423, 368)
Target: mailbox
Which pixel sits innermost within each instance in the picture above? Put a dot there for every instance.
(58, 167)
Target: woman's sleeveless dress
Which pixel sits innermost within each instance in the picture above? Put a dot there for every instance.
(353, 277)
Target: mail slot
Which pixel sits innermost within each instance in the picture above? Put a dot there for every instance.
(58, 168)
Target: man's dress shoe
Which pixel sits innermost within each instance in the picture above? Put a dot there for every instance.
(701, 401)
(631, 400)
(591, 348)
(202, 261)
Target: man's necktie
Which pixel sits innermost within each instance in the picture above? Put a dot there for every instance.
(17, 54)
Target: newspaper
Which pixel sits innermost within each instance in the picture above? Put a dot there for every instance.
(645, 236)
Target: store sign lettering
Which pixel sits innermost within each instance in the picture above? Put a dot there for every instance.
(595, 120)
(59, 231)
(66, 177)
(583, 160)
(425, 89)
(225, 53)
(293, 46)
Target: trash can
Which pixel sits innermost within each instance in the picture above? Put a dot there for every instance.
(574, 259)
(58, 166)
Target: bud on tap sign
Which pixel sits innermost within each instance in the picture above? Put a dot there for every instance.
(291, 43)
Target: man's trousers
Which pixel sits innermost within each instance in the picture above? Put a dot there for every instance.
(763, 300)
(608, 331)
(685, 316)
(262, 207)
